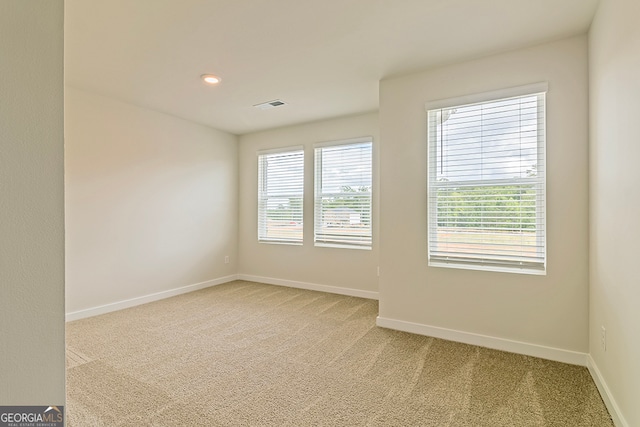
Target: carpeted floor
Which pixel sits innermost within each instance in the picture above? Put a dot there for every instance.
(248, 354)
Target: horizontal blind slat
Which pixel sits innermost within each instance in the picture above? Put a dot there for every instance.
(343, 179)
(486, 183)
(280, 196)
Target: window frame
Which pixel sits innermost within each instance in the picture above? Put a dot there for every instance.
(262, 199)
(318, 196)
(488, 264)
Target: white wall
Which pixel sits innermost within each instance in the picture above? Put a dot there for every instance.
(31, 203)
(352, 270)
(614, 57)
(151, 202)
(548, 311)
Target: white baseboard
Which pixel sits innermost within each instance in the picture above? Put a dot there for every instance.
(119, 305)
(310, 286)
(550, 353)
(609, 401)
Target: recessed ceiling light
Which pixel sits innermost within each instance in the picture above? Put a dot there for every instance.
(210, 79)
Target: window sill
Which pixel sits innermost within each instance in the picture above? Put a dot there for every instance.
(491, 268)
(339, 246)
(279, 242)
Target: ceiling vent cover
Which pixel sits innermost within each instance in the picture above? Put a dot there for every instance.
(270, 104)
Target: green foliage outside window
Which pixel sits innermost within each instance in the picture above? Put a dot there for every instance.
(509, 207)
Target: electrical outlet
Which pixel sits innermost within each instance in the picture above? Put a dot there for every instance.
(378, 271)
(603, 338)
(226, 259)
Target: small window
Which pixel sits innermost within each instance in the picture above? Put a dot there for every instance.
(343, 177)
(280, 195)
(486, 181)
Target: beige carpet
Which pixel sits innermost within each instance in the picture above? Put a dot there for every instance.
(248, 354)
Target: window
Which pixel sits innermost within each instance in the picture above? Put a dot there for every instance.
(486, 181)
(280, 195)
(343, 193)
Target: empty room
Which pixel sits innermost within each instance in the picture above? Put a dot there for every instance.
(292, 213)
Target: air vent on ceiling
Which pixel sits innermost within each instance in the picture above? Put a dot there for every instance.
(271, 104)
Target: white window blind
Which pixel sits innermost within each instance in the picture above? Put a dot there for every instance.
(280, 195)
(343, 177)
(486, 189)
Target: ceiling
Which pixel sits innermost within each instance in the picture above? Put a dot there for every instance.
(324, 58)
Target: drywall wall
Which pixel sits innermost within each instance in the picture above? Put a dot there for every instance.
(614, 60)
(548, 311)
(151, 202)
(31, 200)
(351, 271)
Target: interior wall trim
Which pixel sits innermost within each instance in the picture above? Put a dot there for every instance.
(132, 302)
(519, 347)
(605, 393)
(310, 286)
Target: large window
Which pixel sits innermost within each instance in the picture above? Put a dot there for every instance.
(280, 195)
(486, 173)
(343, 180)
